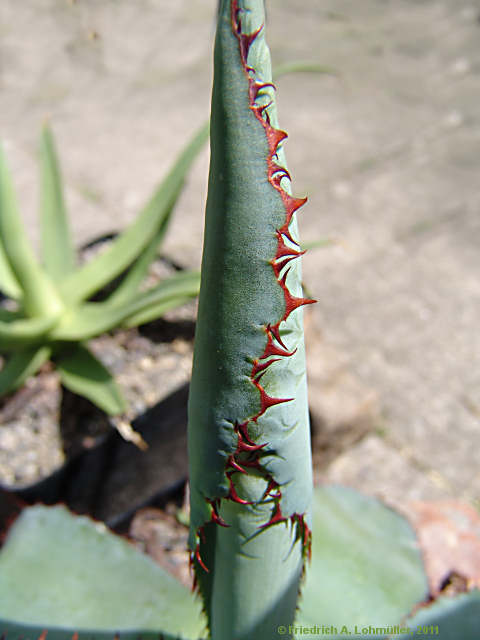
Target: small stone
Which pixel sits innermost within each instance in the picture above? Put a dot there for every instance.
(453, 119)
(341, 189)
(461, 66)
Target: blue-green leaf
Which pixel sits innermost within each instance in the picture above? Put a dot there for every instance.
(65, 574)
(448, 618)
(249, 446)
(366, 568)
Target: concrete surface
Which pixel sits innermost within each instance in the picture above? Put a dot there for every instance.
(387, 150)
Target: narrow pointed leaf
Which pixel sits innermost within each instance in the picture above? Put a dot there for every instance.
(81, 372)
(20, 366)
(155, 311)
(56, 242)
(61, 571)
(8, 283)
(250, 466)
(128, 287)
(137, 272)
(94, 318)
(81, 284)
(10, 316)
(24, 332)
(39, 295)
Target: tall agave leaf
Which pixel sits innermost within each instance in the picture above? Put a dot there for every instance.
(250, 468)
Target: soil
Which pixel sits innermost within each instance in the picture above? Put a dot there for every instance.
(160, 534)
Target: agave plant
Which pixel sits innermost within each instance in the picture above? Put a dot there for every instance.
(251, 480)
(252, 506)
(50, 315)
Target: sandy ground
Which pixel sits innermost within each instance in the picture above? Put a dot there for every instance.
(387, 150)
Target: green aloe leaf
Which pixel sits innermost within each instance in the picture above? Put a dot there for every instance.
(154, 311)
(448, 618)
(21, 366)
(366, 568)
(128, 287)
(85, 281)
(65, 574)
(81, 372)
(94, 318)
(8, 283)
(39, 295)
(137, 272)
(10, 316)
(15, 334)
(56, 242)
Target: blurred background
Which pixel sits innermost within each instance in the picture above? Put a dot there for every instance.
(386, 145)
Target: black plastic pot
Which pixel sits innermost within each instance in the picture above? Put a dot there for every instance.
(110, 478)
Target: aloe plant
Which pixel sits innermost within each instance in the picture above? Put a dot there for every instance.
(52, 316)
(252, 508)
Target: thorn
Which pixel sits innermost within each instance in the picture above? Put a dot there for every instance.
(277, 173)
(243, 429)
(252, 463)
(284, 250)
(218, 519)
(294, 204)
(292, 302)
(259, 109)
(248, 448)
(272, 485)
(214, 516)
(198, 558)
(194, 581)
(261, 367)
(284, 230)
(276, 517)
(273, 350)
(233, 495)
(232, 463)
(291, 205)
(267, 401)
(275, 331)
(255, 88)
